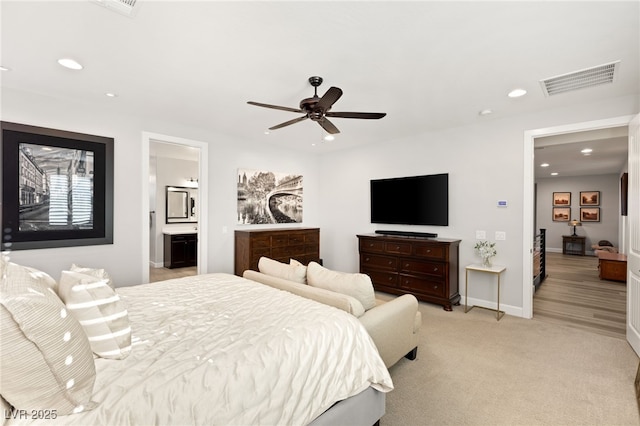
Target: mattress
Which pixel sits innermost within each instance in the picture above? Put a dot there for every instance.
(218, 349)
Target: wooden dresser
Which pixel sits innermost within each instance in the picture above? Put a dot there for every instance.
(424, 267)
(301, 244)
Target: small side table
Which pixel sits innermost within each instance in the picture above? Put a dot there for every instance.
(495, 269)
(573, 245)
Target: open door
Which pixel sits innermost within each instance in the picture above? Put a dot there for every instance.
(633, 256)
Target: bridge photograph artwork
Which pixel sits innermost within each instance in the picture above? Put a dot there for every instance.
(266, 197)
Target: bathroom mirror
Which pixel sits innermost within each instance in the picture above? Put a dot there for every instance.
(181, 204)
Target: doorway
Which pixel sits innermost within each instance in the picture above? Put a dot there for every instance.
(528, 192)
(186, 162)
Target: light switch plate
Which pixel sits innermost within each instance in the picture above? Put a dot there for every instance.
(481, 235)
(501, 236)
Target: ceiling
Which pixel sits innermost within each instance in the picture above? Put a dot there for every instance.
(429, 65)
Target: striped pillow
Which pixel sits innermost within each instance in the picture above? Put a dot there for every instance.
(101, 313)
(45, 358)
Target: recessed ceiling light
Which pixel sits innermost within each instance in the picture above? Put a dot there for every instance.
(587, 151)
(544, 165)
(111, 95)
(70, 63)
(4, 68)
(516, 93)
(486, 112)
(266, 132)
(554, 174)
(329, 138)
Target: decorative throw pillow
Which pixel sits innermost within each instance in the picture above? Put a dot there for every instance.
(100, 312)
(94, 272)
(45, 357)
(355, 285)
(274, 268)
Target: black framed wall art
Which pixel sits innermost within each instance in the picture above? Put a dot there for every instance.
(57, 188)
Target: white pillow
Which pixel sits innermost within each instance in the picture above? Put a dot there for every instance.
(101, 313)
(355, 285)
(274, 268)
(45, 357)
(94, 272)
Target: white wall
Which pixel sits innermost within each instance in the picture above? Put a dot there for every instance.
(485, 164)
(606, 229)
(123, 259)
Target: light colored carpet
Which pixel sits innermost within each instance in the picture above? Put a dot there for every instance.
(474, 370)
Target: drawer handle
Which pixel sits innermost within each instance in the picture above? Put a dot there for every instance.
(428, 250)
(390, 278)
(390, 262)
(435, 269)
(435, 287)
(366, 259)
(370, 244)
(397, 247)
(406, 265)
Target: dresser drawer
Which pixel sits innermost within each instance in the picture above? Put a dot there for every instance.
(261, 241)
(379, 262)
(420, 285)
(397, 248)
(386, 279)
(430, 251)
(435, 269)
(295, 239)
(312, 238)
(285, 251)
(371, 246)
(279, 240)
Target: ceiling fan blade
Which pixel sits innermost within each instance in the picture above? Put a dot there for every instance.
(328, 126)
(365, 115)
(288, 123)
(329, 98)
(275, 107)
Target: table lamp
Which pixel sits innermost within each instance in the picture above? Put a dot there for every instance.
(574, 223)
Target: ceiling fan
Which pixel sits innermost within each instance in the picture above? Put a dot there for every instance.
(318, 109)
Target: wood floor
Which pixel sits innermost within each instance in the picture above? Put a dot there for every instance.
(160, 274)
(573, 295)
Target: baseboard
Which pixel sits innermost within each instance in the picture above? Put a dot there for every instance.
(156, 265)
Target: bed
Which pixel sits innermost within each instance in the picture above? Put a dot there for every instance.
(217, 349)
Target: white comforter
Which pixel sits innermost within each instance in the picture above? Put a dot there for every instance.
(217, 349)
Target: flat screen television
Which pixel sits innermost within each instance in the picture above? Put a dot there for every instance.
(414, 200)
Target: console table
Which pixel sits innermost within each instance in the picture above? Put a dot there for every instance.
(424, 267)
(573, 245)
(495, 269)
(612, 266)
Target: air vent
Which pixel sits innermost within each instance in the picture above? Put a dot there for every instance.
(124, 7)
(590, 77)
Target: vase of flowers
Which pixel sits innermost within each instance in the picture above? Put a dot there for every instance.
(486, 250)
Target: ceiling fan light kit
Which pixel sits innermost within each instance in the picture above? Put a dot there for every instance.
(318, 108)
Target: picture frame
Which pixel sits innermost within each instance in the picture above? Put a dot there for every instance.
(562, 199)
(589, 198)
(589, 214)
(266, 197)
(561, 214)
(57, 188)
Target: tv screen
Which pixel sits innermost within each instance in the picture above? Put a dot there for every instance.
(415, 200)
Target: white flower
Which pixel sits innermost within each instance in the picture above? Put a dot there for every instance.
(485, 249)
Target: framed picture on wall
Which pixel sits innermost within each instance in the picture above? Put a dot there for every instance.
(561, 198)
(589, 214)
(589, 198)
(561, 214)
(57, 188)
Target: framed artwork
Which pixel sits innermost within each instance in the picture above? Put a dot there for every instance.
(561, 198)
(266, 197)
(589, 214)
(57, 188)
(589, 198)
(561, 214)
